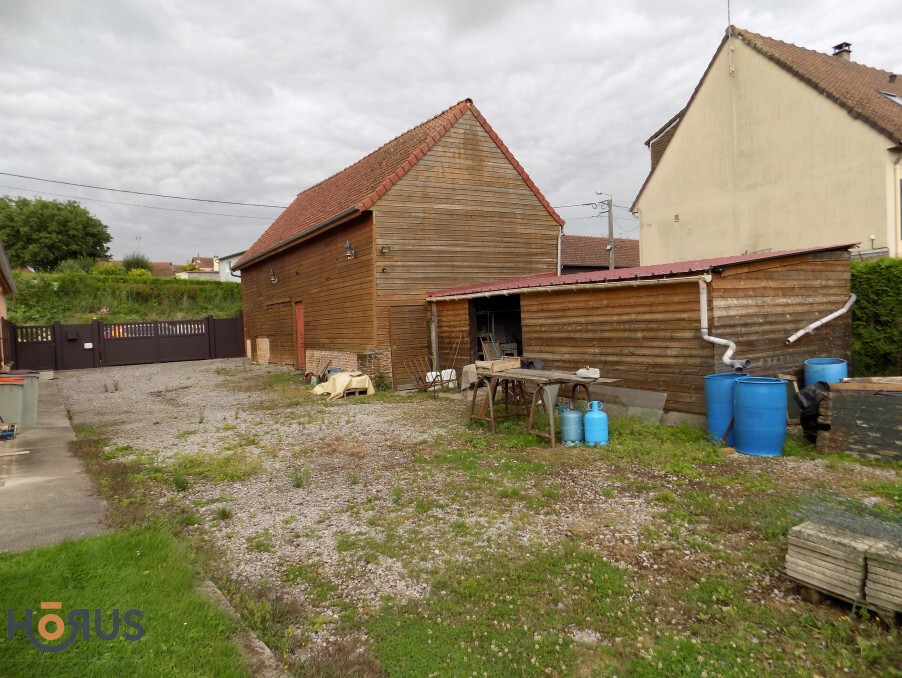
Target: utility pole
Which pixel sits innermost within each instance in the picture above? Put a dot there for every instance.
(610, 203)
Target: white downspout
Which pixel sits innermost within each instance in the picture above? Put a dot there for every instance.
(737, 365)
(823, 321)
(560, 235)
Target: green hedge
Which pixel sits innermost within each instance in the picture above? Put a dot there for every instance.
(76, 297)
(877, 318)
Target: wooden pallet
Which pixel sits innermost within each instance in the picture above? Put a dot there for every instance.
(855, 568)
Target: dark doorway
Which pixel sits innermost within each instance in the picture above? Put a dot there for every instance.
(498, 318)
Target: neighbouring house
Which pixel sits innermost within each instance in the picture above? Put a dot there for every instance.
(341, 274)
(205, 264)
(581, 253)
(7, 287)
(779, 147)
(200, 268)
(226, 274)
(643, 325)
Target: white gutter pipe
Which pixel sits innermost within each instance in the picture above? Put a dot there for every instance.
(808, 329)
(737, 365)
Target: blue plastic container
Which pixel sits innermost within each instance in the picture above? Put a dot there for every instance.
(595, 424)
(332, 370)
(830, 370)
(571, 427)
(719, 405)
(759, 413)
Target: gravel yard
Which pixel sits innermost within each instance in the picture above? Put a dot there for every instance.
(360, 509)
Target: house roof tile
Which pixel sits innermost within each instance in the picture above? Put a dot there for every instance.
(636, 273)
(359, 186)
(587, 250)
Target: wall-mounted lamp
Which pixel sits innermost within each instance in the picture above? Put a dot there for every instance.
(386, 249)
(349, 253)
(273, 278)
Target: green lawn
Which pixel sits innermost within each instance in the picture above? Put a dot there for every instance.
(144, 569)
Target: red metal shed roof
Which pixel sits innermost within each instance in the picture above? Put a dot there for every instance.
(635, 273)
(359, 187)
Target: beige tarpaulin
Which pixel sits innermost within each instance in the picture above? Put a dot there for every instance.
(342, 381)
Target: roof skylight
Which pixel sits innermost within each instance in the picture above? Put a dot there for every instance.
(892, 97)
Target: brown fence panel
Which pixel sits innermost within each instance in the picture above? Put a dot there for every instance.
(35, 347)
(183, 340)
(228, 337)
(130, 343)
(77, 347)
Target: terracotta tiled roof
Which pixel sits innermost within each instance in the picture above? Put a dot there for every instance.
(358, 187)
(636, 273)
(855, 87)
(587, 250)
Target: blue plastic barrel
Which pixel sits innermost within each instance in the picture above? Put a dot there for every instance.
(830, 370)
(595, 424)
(571, 427)
(759, 412)
(719, 405)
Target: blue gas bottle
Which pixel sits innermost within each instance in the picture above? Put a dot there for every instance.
(571, 427)
(595, 423)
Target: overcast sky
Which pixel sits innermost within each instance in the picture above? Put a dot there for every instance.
(255, 101)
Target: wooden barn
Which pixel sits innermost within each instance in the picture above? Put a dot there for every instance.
(642, 325)
(341, 275)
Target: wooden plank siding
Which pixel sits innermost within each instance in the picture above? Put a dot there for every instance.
(338, 294)
(461, 215)
(453, 321)
(759, 306)
(409, 340)
(648, 337)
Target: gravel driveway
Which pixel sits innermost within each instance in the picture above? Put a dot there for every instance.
(364, 495)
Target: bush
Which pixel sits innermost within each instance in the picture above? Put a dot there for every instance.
(80, 265)
(136, 261)
(109, 269)
(139, 273)
(877, 318)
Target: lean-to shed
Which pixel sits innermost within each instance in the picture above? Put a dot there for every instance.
(642, 325)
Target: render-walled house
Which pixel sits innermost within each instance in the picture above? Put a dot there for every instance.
(341, 275)
(779, 147)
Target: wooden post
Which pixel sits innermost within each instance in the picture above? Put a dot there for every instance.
(57, 334)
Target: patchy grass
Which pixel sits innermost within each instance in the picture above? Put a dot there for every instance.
(506, 616)
(217, 468)
(145, 569)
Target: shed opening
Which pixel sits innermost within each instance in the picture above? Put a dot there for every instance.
(497, 318)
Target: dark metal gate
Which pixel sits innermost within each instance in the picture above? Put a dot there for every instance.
(99, 344)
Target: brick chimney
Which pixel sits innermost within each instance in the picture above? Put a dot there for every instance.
(843, 50)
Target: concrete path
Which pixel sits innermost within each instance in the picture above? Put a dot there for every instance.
(45, 495)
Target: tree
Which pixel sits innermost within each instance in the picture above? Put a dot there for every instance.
(42, 233)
